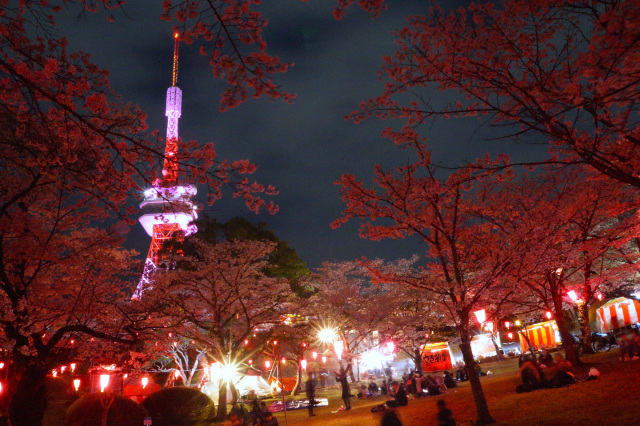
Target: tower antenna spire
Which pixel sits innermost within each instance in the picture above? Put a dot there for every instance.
(174, 79)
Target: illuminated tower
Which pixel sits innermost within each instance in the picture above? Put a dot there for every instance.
(167, 210)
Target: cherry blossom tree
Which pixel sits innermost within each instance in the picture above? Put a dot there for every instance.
(467, 256)
(219, 299)
(563, 71)
(347, 301)
(574, 221)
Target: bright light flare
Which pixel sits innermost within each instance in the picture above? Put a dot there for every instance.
(104, 381)
(313, 354)
(489, 326)
(303, 364)
(73, 366)
(327, 335)
(144, 381)
(572, 294)
(76, 384)
(481, 315)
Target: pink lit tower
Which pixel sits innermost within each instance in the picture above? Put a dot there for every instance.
(167, 210)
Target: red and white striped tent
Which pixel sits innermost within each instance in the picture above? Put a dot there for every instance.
(617, 313)
(541, 335)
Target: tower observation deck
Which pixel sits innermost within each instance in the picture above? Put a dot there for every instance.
(167, 210)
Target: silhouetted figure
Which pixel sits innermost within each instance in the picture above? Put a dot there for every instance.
(341, 377)
(445, 416)
(390, 418)
(310, 386)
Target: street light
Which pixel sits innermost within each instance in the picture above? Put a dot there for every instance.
(338, 346)
(481, 315)
(327, 335)
(303, 364)
(104, 381)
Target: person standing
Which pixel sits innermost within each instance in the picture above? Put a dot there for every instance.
(310, 386)
(341, 377)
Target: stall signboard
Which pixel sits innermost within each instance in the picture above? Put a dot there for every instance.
(436, 357)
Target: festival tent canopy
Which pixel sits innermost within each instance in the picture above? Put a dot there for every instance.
(617, 313)
(541, 335)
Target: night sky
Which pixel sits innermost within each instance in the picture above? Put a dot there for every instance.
(300, 148)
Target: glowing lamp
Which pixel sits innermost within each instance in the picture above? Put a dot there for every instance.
(62, 368)
(303, 364)
(275, 342)
(73, 366)
(250, 362)
(510, 335)
(572, 294)
(104, 381)
(144, 381)
(176, 35)
(1, 365)
(327, 335)
(548, 314)
(600, 296)
(507, 324)
(284, 360)
(176, 374)
(54, 373)
(313, 354)
(324, 359)
(481, 315)
(76, 384)
(390, 346)
(246, 341)
(518, 323)
(489, 326)
(125, 376)
(267, 364)
(338, 347)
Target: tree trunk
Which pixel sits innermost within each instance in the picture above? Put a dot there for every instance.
(417, 360)
(583, 311)
(482, 409)
(570, 352)
(350, 372)
(298, 384)
(222, 402)
(495, 345)
(28, 402)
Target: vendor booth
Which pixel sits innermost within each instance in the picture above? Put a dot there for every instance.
(436, 357)
(541, 335)
(617, 313)
(482, 345)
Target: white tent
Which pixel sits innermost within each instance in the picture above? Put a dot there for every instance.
(243, 386)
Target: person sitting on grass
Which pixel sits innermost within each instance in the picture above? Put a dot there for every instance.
(373, 389)
(449, 381)
(400, 398)
(531, 377)
(270, 420)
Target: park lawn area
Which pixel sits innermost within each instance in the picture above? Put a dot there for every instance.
(614, 398)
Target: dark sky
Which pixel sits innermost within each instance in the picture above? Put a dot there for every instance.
(301, 148)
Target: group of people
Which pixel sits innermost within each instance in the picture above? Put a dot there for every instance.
(629, 345)
(545, 372)
(258, 416)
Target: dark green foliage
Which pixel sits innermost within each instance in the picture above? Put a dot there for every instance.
(284, 261)
(180, 406)
(87, 411)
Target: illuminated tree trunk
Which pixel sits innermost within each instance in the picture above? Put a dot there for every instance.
(570, 352)
(298, 384)
(222, 402)
(482, 409)
(583, 311)
(417, 360)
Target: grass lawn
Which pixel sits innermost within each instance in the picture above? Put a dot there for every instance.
(613, 399)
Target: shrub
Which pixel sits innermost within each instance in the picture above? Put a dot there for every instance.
(87, 411)
(180, 406)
